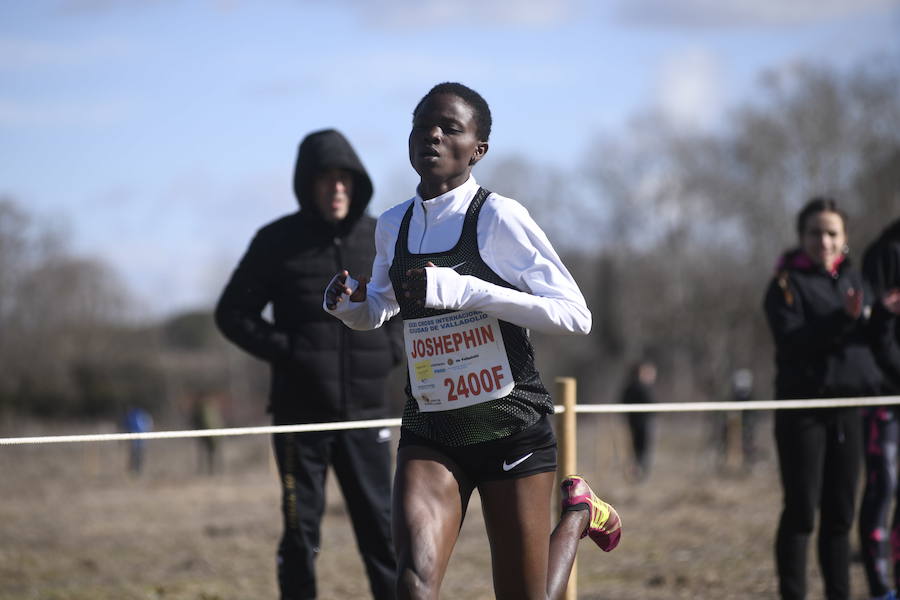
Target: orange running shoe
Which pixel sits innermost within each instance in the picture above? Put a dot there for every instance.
(605, 527)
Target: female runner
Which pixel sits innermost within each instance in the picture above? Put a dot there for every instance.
(470, 273)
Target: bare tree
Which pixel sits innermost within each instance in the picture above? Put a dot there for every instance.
(62, 318)
(697, 220)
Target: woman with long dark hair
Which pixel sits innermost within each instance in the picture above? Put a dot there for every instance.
(818, 310)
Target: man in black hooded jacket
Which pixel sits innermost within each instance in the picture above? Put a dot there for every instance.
(321, 370)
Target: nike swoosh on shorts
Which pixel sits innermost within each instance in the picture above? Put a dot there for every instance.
(510, 466)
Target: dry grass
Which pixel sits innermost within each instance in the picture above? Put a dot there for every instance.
(75, 526)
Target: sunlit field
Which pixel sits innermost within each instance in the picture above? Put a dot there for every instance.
(75, 525)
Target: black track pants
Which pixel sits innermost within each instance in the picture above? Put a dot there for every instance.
(819, 452)
(641, 426)
(362, 463)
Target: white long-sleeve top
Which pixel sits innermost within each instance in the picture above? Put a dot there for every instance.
(510, 243)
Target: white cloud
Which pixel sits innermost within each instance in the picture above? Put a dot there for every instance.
(51, 62)
(716, 13)
(29, 54)
(483, 13)
(21, 113)
(388, 14)
(90, 8)
(689, 89)
(386, 75)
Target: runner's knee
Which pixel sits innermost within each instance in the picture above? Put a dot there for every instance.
(412, 585)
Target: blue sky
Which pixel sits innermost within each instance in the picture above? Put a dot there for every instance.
(161, 134)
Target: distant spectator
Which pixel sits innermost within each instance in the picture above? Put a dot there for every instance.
(817, 309)
(742, 391)
(639, 390)
(137, 420)
(206, 414)
(733, 432)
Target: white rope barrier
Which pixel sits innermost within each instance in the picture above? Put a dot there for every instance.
(740, 405)
(344, 425)
(191, 433)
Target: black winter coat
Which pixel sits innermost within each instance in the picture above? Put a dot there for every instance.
(321, 370)
(820, 351)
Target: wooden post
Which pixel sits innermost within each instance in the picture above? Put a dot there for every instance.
(566, 390)
(566, 425)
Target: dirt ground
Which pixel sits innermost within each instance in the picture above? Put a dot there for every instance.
(75, 525)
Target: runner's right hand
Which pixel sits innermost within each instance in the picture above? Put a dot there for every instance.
(338, 288)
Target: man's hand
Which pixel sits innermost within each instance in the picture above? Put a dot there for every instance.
(338, 288)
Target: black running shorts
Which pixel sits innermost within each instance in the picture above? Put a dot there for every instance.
(531, 451)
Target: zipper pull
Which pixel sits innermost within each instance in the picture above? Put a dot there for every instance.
(424, 226)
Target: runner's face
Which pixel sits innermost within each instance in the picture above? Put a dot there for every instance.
(823, 238)
(443, 143)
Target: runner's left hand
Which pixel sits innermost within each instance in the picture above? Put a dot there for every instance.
(416, 284)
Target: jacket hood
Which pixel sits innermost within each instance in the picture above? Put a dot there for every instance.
(329, 149)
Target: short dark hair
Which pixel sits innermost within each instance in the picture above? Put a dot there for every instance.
(816, 205)
(469, 96)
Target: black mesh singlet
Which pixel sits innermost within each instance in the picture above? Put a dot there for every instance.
(489, 420)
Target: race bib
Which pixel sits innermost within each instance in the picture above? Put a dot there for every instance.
(455, 360)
